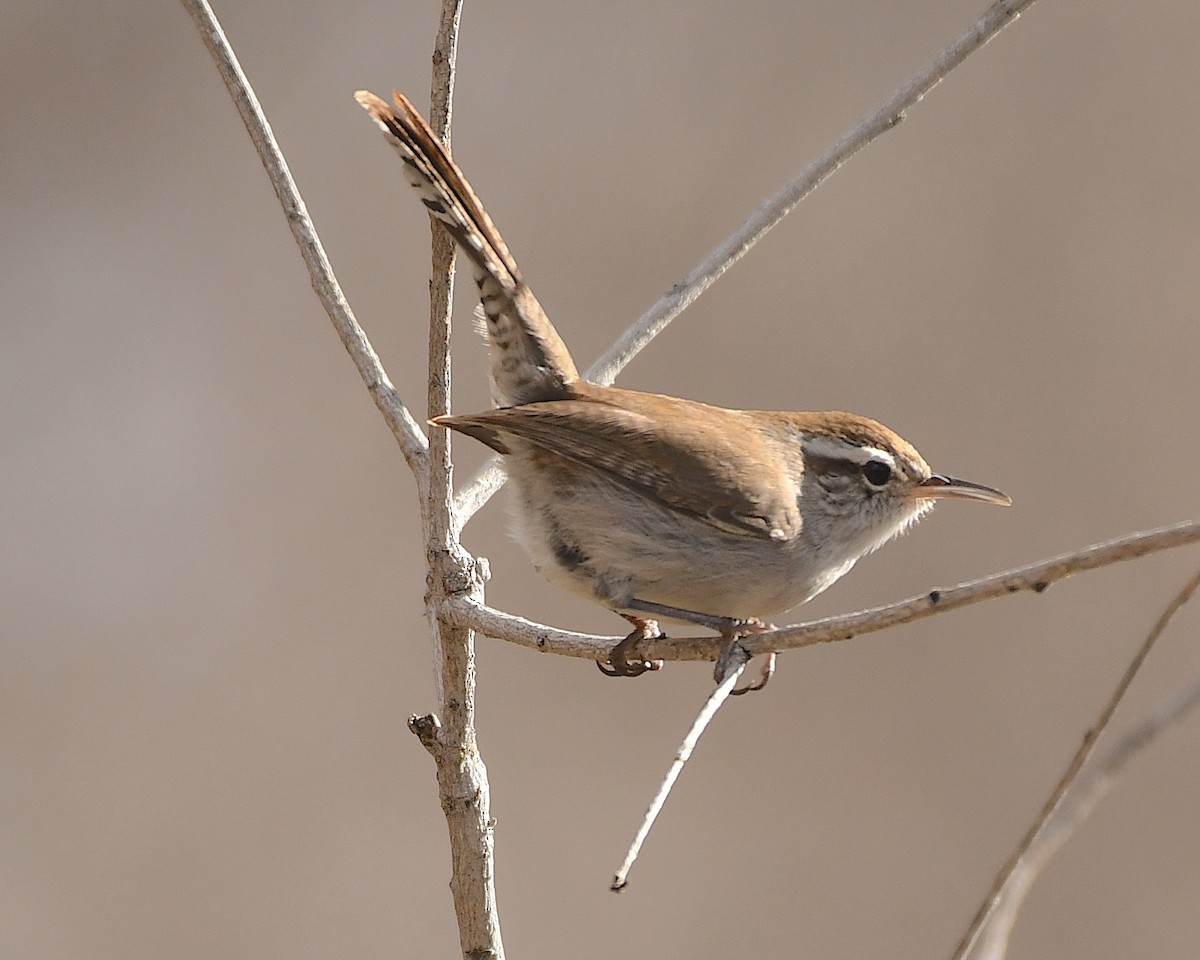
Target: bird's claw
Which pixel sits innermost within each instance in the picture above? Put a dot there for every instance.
(766, 671)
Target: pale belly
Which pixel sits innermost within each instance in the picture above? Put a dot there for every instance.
(609, 545)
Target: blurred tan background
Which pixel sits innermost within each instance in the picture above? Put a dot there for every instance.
(212, 631)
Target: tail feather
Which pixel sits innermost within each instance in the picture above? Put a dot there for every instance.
(529, 361)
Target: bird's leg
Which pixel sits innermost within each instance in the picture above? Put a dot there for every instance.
(725, 626)
(621, 659)
(731, 630)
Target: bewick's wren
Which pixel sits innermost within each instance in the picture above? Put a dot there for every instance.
(651, 505)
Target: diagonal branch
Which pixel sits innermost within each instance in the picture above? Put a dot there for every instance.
(715, 700)
(477, 492)
(1080, 801)
(404, 428)
(987, 940)
(1035, 576)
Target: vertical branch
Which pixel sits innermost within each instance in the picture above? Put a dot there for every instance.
(441, 284)
(461, 775)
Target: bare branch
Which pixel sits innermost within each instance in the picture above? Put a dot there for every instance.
(987, 937)
(450, 738)
(1088, 791)
(1035, 576)
(477, 492)
(462, 779)
(404, 428)
(714, 702)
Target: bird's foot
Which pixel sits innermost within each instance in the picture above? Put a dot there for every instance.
(733, 654)
(622, 661)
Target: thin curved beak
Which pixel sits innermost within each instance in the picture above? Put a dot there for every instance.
(938, 487)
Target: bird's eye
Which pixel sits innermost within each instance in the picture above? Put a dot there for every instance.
(877, 473)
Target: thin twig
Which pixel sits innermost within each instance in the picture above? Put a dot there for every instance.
(1035, 576)
(715, 699)
(477, 491)
(977, 933)
(404, 428)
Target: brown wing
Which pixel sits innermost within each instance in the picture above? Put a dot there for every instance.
(706, 461)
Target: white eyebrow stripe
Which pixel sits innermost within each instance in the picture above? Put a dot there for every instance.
(830, 449)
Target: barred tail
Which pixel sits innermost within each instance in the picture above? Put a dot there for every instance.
(529, 361)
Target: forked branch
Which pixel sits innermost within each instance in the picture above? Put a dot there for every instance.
(450, 738)
(987, 937)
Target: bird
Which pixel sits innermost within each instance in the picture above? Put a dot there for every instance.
(659, 507)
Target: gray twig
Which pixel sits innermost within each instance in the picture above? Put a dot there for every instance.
(714, 702)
